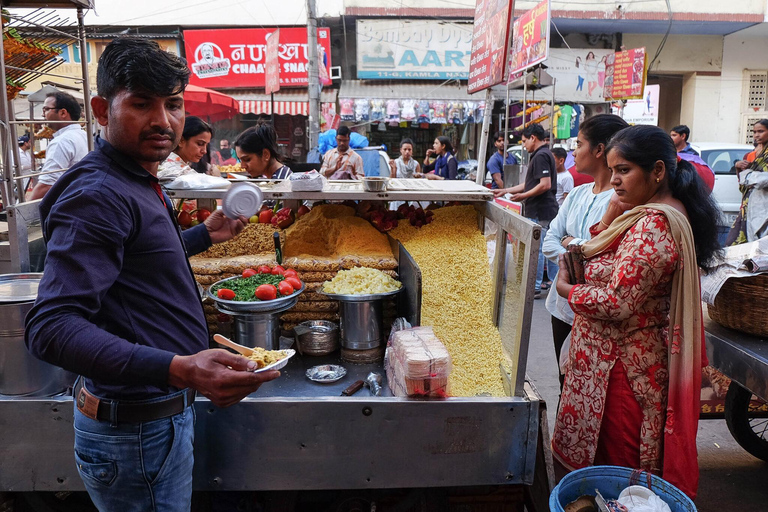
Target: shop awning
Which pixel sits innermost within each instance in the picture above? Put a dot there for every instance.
(293, 102)
(398, 89)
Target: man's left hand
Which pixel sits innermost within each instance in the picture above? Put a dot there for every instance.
(221, 228)
(517, 198)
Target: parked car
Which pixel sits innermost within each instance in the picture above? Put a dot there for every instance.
(720, 157)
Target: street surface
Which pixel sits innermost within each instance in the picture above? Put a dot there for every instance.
(731, 479)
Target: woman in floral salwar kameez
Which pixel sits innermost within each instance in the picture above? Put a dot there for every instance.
(633, 376)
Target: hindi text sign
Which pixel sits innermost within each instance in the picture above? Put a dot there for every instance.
(490, 41)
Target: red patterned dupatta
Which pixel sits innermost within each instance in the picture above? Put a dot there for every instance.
(680, 465)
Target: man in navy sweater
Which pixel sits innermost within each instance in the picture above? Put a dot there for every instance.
(118, 303)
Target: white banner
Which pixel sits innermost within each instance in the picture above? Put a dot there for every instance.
(413, 49)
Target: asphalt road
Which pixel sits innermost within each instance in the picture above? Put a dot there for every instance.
(730, 480)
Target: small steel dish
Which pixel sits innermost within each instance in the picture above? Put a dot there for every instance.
(316, 337)
(375, 183)
(326, 373)
(263, 306)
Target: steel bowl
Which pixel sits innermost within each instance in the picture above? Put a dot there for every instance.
(375, 183)
(263, 306)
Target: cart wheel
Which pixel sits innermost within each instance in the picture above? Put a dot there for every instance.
(750, 433)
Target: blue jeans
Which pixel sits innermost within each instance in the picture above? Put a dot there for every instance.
(552, 268)
(137, 466)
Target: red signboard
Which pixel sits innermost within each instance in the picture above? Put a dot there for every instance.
(237, 57)
(530, 44)
(625, 75)
(272, 82)
(490, 40)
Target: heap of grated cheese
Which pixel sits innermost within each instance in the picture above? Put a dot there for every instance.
(457, 296)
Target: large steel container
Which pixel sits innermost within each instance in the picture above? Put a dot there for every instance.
(21, 373)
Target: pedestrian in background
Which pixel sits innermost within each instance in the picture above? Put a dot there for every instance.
(445, 166)
(405, 166)
(497, 161)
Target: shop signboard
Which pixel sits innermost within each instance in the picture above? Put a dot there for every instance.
(272, 80)
(625, 75)
(413, 49)
(238, 58)
(644, 110)
(530, 40)
(490, 41)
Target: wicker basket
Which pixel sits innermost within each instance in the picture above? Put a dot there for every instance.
(742, 304)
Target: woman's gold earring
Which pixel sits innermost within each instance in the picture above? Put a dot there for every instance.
(657, 180)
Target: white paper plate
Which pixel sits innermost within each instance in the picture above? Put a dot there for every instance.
(242, 199)
(278, 364)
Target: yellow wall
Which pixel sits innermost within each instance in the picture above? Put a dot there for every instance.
(73, 68)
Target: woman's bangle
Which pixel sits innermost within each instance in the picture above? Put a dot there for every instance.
(564, 237)
(603, 223)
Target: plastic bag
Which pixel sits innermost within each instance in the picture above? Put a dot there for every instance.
(197, 181)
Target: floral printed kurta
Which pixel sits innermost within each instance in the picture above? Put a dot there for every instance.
(621, 314)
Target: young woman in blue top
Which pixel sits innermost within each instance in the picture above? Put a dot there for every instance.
(583, 207)
(446, 166)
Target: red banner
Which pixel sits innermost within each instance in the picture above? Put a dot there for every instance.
(625, 75)
(237, 57)
(490, 40)
(272, 82)
(530, 45)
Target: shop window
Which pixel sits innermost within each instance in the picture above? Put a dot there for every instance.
(757, 90)
(76, 52)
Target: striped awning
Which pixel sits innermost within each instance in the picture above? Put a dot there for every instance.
(293, 102)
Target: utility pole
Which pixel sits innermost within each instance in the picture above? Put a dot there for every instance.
(313, 72)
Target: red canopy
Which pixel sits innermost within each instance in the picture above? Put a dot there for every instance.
(209, 104)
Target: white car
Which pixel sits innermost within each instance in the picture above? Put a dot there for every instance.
(720, 157)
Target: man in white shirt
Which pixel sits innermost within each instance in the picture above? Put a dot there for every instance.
(69, 144)
(342, 163)
(25, 155)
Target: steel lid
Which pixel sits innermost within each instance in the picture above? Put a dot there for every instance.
(19, 287)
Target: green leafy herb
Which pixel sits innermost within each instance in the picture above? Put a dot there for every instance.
(244, 287)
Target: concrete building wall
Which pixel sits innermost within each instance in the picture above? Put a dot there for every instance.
(682, 53)
(743, 50)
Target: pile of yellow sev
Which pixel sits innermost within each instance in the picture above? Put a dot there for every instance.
(457, 296)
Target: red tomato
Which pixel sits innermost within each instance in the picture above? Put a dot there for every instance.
(294, 281)
(289, 272)
(266, 292)
(249, 272)
(264, 269)
(265, 216)
(277, 270)
(285, 288)
(225, 293)
(203, 214)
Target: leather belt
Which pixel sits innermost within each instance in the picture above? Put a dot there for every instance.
(128, 411)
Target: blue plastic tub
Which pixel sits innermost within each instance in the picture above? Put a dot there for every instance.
(610, 481)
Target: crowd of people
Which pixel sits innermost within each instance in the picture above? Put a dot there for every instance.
(624, 251)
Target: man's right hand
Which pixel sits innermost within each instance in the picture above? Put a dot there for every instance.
(222, 377)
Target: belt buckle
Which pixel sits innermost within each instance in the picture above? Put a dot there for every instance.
(88, 404)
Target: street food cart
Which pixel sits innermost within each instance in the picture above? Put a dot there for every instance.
(744, 359)
(296, 435)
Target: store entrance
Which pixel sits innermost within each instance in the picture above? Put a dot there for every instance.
(670, 99)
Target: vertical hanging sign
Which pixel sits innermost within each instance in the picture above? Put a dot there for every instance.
(530, 44)
(625, 75)
(272, 68)
(490, 40)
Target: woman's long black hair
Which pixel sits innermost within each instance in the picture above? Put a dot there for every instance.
(600, 128)
(644, 145)
(258, 138)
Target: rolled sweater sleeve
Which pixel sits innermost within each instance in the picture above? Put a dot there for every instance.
(86, 234)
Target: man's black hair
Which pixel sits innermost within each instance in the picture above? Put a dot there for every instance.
(344, 131)
(140, 65)
(559, 153)
(67, 102)
(406, 141)
(682, 130)
(498, 135)
(535, 130)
